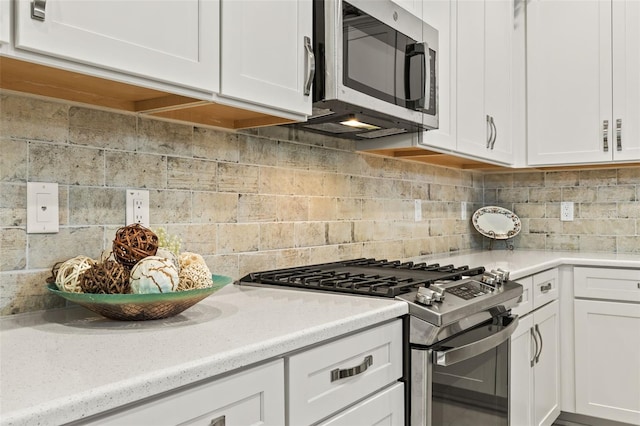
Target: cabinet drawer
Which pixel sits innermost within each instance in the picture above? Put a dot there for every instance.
(545, 287)
(526, 301)
(371, 359)
(384, 408)
(250, 397)
(605, 283)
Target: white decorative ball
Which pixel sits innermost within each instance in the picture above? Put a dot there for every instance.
(153, 274)
(168, 254)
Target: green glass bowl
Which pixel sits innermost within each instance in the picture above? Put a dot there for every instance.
(140, 307)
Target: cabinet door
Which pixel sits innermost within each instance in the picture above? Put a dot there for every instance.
(607, 336)
(484, 79)
(568, 81)
(263, 54)
(413, 6)
(5, 13)
(169, 41)
(441, 15)
(626, 84)
(546, 370)
(521, 373)
(251, 397)
(384, 408)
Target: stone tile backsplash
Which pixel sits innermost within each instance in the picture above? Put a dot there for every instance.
(268, 198)
(246, 201)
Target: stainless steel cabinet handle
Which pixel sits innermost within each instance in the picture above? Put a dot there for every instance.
(605, 135)
(38, 9)
(218, 421)
(338, 374)
(619, 134)
(490, 127)
(495, 132)
(539, 335)
(535, 352)
(545, 288)
(311, 65)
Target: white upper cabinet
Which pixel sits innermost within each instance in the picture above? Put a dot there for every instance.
(583, 91)
(484, 79)
(413, 6)
(441, 15)
(5, 13)
(173, 41)
(265, 52)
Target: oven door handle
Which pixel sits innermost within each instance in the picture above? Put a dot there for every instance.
(455, 355)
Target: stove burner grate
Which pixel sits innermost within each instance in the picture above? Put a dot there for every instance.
(363, 276)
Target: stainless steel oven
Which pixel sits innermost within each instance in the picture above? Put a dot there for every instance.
(456, 336)
(464, 380)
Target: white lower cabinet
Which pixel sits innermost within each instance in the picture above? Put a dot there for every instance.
(534, 388)
(607, 343)
(332, 377)
(251, 397)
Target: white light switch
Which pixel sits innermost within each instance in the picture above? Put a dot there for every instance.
(42, 208)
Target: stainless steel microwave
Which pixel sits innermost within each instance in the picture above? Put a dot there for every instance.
(376, 70)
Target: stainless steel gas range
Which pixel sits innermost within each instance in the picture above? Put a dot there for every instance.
(459, 327)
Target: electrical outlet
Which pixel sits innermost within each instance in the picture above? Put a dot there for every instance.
(463, 210)
(137, 207)
(566, 211)
(418, 210)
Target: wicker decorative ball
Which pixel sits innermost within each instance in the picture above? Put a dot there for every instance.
(133, 243)
(70, 272)
(108, 277)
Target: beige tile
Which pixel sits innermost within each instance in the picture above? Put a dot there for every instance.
(215, 145)
(177, 206)
(598, 210)
(350, 251)
(528, 179)
(399, 209)
(47, 249)
(277, 235)
(186, 173)
(498, 180)
(96, 206)
(134, 170)
(349, 163)
(104, 129)
(258, 151)
(25, 292)
(324, 254)
(579, 194)
(374, 209)
(13, 161)
(309, 234)
(273, 180)
(349, 208)
(580, 226)
(545, 195)
(13, 204)
(446, 176)
(389, 250)
(545, 226)
(238, 237)
(363, 230)
(252, 262)
(530, 210)
(13, 242)
(335, 185)
(237, 178)
(64, 164)
(513, 195)
(597, 243)
(163, 137)
(420, 190)
(293, 257)
(198, 238)
(293, 155)
(600, 177)
(322, 208)
(569, 178)
(33, 119)
(339, 232)
(617, 193)
(530, 241)
(292, 208)
(214, 207)
(563, 242)
(628, 244)
(308, 183)
(629, 210)
(623, 227)
(257, 208)
(629, 175)
(323, 159)
(440, 227)
(224, 264)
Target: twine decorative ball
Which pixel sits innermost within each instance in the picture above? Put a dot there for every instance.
(69, 273)
(108, 277)
(194, 272)
(133, 243)
(153, 274)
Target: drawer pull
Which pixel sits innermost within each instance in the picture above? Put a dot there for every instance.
(218, 421)
(338, 374)
(545, 288)
(38, 11)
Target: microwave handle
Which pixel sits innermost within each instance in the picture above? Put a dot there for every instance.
(418, 49)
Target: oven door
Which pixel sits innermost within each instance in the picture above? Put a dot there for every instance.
(464, 380)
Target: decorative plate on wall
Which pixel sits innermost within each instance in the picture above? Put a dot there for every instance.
(496, 222)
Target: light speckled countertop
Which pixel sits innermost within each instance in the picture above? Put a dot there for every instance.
(60, 365)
